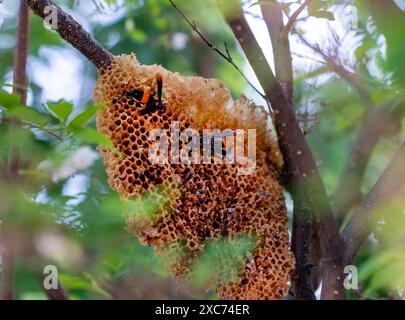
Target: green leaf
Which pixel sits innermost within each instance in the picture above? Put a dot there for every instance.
(314, 10)
(11, 102)
(92, 136)
(85, 282)
(221, 259)
(372, 265)
(138, 35)
(315, 6)
(60, 110)
(29, 115)
(83, 118)
(8, 100)
(2, 84)
(38, 295)
(323, 14)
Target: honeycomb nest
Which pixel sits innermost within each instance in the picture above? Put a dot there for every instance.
(195, 203)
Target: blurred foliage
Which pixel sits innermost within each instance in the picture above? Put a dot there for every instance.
(383, 271)
(60, 210)
(221, 260)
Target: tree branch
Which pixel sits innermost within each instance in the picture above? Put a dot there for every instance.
(73, 33)
(273, 17)
(336, 66)
(301, 237)
(300, 167)
(21, 54)
(301, 282)
(225, 55)
(294, 17)
(302, 228)
(387, 188)
(377, 122)
(55, 294)
(20, 88)
(383, 121)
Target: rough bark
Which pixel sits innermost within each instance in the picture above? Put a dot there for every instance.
(300, 167)
(301, 286)
(71, 31)
(273, 17)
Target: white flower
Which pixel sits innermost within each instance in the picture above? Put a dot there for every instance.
(80, 159)
(3, 14)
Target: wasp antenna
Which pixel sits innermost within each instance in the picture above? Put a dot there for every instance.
(159, 81)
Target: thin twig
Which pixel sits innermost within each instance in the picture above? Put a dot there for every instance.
(376, 123)
(34, 125)
(294, 17)
(226, 55)
(47, 131)
(299, 55)
(355, 80)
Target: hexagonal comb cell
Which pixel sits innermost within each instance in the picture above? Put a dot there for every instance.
(199, 202)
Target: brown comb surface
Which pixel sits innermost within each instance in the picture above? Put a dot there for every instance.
(196, 202)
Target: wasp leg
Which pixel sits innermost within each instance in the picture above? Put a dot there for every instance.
(159, 81)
